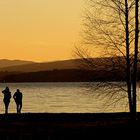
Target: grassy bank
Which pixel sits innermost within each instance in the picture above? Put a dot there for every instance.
(67, 126)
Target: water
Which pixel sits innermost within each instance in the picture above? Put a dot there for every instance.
(57, 98)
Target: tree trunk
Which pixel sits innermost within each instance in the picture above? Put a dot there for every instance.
(135, 59)
(128, 72)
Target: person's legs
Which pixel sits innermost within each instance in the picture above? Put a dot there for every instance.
(17, 107)
(20, 107)
(6, 107)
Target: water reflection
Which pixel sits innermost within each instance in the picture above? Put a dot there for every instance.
(60, 97)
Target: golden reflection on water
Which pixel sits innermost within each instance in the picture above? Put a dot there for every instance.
(58, 98)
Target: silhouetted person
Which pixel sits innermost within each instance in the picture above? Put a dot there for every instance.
(6, 99)
(18, 99)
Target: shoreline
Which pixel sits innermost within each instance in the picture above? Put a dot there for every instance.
(66, 125)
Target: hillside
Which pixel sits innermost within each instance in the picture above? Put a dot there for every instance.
(67, 71)
(34, 67)
(10, 63)
(67, 75)
(94, 63)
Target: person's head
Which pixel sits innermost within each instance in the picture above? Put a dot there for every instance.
(7, 88)
(17, 90)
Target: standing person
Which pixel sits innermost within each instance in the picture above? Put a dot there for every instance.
(6, 99)
(18, 99)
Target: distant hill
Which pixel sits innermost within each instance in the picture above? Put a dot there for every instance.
(10, 63)
(69, 75)
(34, 67)
(27, 66)
(103, 69)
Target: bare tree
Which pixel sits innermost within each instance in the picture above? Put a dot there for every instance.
(112, 26)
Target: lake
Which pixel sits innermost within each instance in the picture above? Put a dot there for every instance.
(59, 97)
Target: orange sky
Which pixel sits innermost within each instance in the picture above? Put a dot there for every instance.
(39, 30)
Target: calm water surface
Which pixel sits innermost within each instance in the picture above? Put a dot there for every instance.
(57, 97)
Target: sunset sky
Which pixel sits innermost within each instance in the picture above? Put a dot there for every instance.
(39, 30)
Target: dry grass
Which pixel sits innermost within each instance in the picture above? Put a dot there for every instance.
(67, 126)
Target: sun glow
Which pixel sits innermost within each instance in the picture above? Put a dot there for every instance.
(40, 30)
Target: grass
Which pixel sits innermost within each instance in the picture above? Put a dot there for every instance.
(67, 126)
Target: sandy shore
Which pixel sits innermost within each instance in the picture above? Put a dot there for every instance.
(67, 126)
